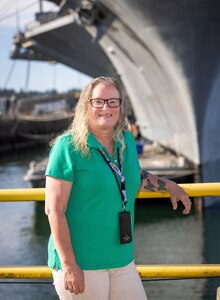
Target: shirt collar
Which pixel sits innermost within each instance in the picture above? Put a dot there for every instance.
(92, 142)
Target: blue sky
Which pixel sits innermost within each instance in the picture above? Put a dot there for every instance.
(43, 75)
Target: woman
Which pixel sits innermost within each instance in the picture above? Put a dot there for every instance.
(92, 178)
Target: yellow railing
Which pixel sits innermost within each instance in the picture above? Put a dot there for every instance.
(38, 194)
(145, 271)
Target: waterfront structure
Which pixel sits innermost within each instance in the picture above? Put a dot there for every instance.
(34, 118)
(165, 53)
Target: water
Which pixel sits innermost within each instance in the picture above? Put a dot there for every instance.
(162, 236)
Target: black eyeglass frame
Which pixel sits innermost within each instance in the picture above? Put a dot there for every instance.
(105, 101)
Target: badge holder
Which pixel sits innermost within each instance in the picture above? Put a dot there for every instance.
(125, 231)
(125, 227)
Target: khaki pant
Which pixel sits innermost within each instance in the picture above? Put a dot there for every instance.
(112, 284)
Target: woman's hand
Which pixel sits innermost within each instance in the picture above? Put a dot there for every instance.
(178, 194)
(153, 183)
(74, 280)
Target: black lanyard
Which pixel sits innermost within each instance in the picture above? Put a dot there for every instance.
(117, 170)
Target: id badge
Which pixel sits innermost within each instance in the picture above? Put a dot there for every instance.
(125, 227)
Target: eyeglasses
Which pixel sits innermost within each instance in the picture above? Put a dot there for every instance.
(98, 102)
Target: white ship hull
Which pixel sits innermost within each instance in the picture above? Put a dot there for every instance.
(166, 55)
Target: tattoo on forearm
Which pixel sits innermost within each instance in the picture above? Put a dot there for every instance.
(161, 185)
(149, 186)
(144, 174)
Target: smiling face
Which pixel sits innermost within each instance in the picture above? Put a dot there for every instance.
(104, 118)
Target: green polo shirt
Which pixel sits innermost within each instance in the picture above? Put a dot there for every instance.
(95, 201)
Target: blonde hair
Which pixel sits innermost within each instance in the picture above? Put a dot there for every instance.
(79, 128)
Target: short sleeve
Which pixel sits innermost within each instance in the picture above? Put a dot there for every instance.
(61, 163)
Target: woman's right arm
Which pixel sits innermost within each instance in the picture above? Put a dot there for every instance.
(56, 200)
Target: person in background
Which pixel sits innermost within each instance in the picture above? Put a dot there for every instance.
(92, 179)
(134, 128)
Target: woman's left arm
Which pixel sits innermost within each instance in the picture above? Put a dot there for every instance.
(153, 183)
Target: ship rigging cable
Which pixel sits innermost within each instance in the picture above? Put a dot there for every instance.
(9, 75)
(27, 75)
(8, 6)
(2, 18)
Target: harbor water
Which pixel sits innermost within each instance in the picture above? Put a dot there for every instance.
(162, 236)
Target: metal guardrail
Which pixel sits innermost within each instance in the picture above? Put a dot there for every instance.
(145, 271)
(38, 194)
